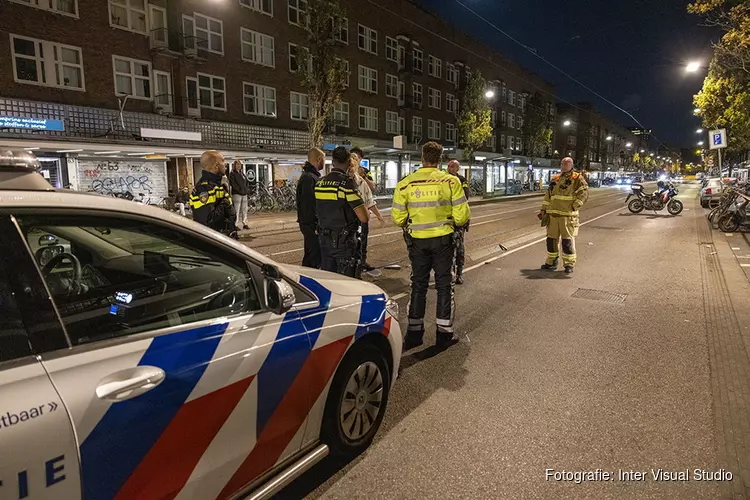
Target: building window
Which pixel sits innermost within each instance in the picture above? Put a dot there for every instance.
(392, 123)
(59, 6)
(511, 98)
(128, 14)
(511, 143)
(402, 125)
(47, 63)
(368, 79)
(259, 100)
(212, 90)
(210, 33)
(519, 143)
(368, 40)
(341, 114)
(451, 103)
(401, 93)
(493, 118)
(416, 89)
(257, 48)
(132, 77)
(502, 141)
(341, 30)
(163, 91)
(401, 57)
(347, 73)
(297, 56)
(519, 122)
(391, 86)
(264, 6)
(433, 129)
(418, 58)
(416, 128)
(300, 106)
(368, 118)
(522, 103)
(450, 132)
(391, 49)
(503, 119)
(571, 140)
(452, 73)
(435, 66)
(511, 120)
(298, 12)
(492, 142)
(434, 98)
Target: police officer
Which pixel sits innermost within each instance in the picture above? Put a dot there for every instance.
(453, 168)
(210, 200)
(340, 212)
(429, 204)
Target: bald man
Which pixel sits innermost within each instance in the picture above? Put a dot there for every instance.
(565, 196)
(459, 235)
(210, 199)
(307, 216)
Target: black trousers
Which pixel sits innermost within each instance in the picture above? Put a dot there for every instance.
(426, 255)
(339, 256)
(460, 250)
(312, 257)
(365, 234)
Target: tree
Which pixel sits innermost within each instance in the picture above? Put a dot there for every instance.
(475, 119)
(325, 76)
(536, 133)
(732, 52)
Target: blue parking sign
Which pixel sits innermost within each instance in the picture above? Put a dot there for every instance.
(717, 140)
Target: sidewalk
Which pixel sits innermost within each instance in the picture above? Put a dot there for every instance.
(262, 222)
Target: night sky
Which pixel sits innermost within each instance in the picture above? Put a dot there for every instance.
(633, 52)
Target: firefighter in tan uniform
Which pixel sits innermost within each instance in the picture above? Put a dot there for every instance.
(566, 194)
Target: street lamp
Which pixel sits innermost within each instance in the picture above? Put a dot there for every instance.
(700, 143)
(697, 110)
(699, 131)
(652, 154)
(566, 123)
(693, 66)
(609, 137)
(629, 145)
(489, 94)
(643, 150)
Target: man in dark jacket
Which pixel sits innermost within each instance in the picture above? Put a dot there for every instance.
(307, 216)
(240, 189)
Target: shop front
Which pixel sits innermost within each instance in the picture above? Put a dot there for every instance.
(145, 179)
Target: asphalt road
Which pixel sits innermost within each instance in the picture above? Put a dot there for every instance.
(542, 379)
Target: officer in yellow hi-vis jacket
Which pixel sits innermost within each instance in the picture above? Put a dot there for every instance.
(429, 204)
(566, 194)
(210, 200)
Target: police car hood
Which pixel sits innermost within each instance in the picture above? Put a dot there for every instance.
(338, 284)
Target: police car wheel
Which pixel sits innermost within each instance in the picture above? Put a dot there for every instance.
(357, 401)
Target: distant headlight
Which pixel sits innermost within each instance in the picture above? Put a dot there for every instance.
(392, 307)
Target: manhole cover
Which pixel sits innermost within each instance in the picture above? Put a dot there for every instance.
(601, 296)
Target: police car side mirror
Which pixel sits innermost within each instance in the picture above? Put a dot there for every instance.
(279, 296)
(271, 271)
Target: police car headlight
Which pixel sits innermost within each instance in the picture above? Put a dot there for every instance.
(392, 307)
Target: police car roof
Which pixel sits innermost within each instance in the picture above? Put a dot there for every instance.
(19, 170)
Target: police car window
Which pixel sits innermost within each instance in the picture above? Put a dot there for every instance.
(13, 340)
(115, 277)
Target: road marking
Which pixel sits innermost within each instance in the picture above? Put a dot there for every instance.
(735, 248)
(535, 242)
(744, 265)
(391, 233)
(743, 256)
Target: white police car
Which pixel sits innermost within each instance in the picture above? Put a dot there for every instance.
(145, 356)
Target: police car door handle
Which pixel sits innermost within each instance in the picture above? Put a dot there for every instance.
(127, 384)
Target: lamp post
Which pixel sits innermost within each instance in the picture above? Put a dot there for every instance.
(693, 67)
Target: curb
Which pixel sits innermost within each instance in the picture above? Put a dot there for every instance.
(277, 227)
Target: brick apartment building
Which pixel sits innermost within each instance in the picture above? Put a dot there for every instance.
(593, 140)
(200, 74)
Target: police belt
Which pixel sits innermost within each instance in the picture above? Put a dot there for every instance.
(339, 235)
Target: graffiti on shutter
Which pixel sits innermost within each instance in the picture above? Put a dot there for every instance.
(143, 179)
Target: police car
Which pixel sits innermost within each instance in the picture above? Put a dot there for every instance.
(145, 356)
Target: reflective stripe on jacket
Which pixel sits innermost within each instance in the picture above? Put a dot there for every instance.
(429, 203)
(566, 195)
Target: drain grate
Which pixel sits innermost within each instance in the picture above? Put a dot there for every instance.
(599, 295)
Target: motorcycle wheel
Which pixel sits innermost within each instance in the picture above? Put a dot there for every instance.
(675, 207)
(636, 206)
(727, 224)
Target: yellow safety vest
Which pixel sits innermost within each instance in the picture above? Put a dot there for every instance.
(568, 195)
(430, 203)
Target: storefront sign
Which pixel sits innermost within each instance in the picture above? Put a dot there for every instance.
(177, 135)
(31, 123)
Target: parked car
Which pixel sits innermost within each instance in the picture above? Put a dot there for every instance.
(711, 191)
(143, 355)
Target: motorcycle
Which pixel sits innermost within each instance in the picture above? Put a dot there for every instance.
(736, 215)
(656, 202)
